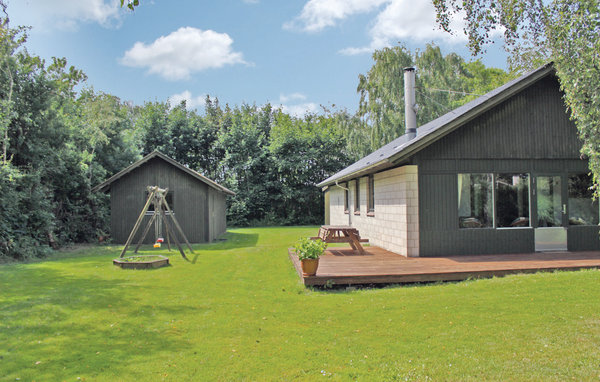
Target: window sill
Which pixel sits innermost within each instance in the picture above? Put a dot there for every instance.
(371, 214)
(356, 213)
(346, 212)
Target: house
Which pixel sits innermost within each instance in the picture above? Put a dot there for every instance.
(197, 202)
(500, 174)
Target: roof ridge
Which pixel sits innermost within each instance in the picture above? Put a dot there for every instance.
(425, 132)
(155, 153)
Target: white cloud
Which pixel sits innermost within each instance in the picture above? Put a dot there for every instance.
(190, 102)
(405, 20)
(284, 98)
(183, 52)
(399, 20)
(297, 108)
(67, 14)
(301, 109)
(319, 14)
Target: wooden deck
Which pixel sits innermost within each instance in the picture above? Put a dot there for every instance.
(341, 266)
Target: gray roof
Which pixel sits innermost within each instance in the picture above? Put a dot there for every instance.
(401, 148)
(105, 186)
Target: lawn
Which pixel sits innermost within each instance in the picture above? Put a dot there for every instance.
(239, 312)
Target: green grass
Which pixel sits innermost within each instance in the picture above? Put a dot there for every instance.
(239, 312)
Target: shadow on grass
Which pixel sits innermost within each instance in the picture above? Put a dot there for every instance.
(55, 325)
(230, 240)
(346, 288)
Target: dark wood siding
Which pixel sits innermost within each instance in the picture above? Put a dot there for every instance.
(530, 133)
(191, 202)
(583, 238)
(533, 124)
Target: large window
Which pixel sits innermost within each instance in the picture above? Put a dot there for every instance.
(475, 201)
(370, 196)
(493, 200)
(512, 200)
(583, 210)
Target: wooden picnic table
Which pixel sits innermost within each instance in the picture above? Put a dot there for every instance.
(342, 234)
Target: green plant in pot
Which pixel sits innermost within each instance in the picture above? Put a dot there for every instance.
(308, 252)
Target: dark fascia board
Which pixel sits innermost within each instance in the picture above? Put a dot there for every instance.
(431, 133)
(104, 186)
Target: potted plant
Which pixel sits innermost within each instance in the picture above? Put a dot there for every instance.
(308, 252)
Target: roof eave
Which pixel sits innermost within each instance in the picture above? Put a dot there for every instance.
(371, 168)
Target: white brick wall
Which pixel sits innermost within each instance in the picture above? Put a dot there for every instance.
(395, 226)
(336, 206)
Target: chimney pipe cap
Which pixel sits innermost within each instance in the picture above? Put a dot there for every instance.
(409, 69)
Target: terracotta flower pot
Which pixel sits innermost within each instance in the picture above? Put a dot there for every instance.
(309, 267)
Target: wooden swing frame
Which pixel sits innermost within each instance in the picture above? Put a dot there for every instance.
(156, 196)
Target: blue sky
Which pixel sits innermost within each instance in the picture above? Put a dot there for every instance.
(295, 53)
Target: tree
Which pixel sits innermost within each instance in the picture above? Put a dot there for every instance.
(567, 30)
(131, 4)
(246, 163)
(305, 151)
(443, 83)
(99, 116)
(151, 124)
(11, 40)
(56, 142)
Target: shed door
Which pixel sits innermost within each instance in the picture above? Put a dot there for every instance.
(550, 231)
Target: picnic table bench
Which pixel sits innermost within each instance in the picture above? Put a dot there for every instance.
(342, 234)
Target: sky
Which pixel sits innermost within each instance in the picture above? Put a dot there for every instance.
(295, 54)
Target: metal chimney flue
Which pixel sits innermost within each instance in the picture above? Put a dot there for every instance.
(410, 113)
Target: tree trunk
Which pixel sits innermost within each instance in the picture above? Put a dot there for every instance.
(8, 118)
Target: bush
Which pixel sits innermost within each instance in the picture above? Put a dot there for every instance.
(26, 218)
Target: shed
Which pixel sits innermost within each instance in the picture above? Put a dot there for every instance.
(198, 202)
(500, 174)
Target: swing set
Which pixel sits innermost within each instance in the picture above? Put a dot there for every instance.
(157, 198)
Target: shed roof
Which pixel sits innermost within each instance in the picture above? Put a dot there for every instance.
(104, 186)
(402, 148)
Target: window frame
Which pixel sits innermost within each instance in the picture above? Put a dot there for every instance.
(346, 198)
(529, 198)
(571, 209)
(357, 196)
(493, 197)
(370, 195)
(170, 195)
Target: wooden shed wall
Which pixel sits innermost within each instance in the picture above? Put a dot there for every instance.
(529, 133)
(218, 214)
(190, 201)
